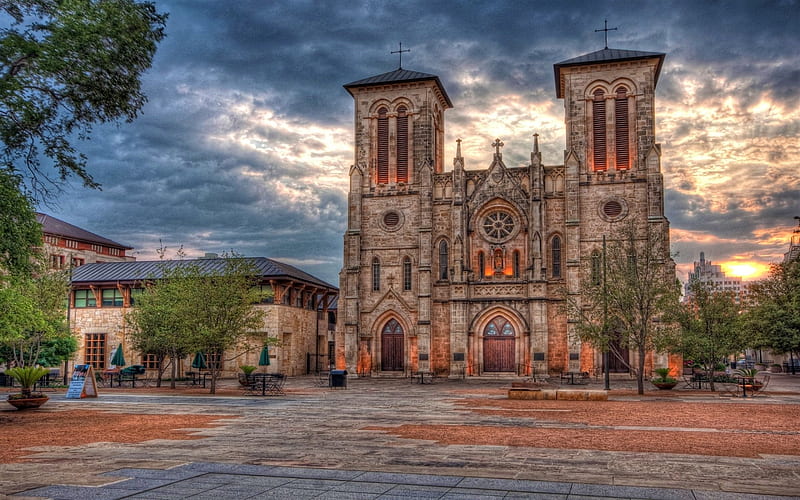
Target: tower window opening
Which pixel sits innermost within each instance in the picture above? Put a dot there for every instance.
(444, 260)
(376, 274)
(555, 247)
(383, 147)
(599, 130)
(621, 139)
(407, 274)
(402, 144)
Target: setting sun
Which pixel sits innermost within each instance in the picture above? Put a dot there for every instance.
(746, 270)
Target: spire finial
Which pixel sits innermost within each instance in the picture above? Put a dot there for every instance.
(535, 143)
(458, 148)
(606, 29)
(400, 52)
(497, 145)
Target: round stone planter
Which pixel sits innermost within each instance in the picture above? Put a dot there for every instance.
(665, 386)
(28, 404)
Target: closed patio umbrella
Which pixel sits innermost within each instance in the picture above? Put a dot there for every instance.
(119, 358)
(263, 360)
(199, 361)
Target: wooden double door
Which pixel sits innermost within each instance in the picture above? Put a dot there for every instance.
(499, 346)
(392, 347)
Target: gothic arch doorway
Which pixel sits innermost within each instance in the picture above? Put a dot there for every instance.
(392, 340)
(499, 341)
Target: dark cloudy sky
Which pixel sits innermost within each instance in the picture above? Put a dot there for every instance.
(246, 141)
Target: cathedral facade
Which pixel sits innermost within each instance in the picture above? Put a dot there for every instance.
(466, 272)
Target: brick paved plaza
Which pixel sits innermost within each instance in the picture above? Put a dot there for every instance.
(315, 442)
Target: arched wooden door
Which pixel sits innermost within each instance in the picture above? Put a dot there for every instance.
(498, 346)
(392, 346)
(618, 358)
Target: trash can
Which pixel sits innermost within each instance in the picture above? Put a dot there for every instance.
(338, 378)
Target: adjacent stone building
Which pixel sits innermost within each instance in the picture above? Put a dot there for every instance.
(66, 245)
(300, 313)
(465, 271)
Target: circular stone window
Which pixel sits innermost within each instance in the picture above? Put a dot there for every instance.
(391, 220)
(613, 209)
(498, 225)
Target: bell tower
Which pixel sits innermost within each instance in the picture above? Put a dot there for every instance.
(385, 282)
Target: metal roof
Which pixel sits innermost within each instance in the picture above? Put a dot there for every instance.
(399, 75)
(605, 55)
(154, 269)
(51, 225)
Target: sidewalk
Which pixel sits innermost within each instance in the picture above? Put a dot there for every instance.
(220, 481)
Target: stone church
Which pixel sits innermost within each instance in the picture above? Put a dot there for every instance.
(464, 271)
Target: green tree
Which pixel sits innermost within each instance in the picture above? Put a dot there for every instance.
(774, 312)
(159, 320)
(629, 305)
(20, 232)
(33, 315)
(64, 66)
(223, 311)
(192, 307)
(710, 329)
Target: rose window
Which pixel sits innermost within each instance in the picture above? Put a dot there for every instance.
(498, 225)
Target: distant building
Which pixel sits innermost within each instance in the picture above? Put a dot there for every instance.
(300, 313)
(794, 244)
(712, 274)
(66, 245)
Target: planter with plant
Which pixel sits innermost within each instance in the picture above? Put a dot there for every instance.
(244, 377)
(663, 381)
(27, 377)
(748, 378)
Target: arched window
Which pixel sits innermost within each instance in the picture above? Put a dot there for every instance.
(383, 146)
(376, 274)
(621, 139)
(599, 130)
(444, 260)
(516, 263)
(555, 247)
(481, 265)
(402, 144)
(407, 273)
(597, 268)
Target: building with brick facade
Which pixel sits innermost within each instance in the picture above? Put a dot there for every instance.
(299, 313)
(67, 245)
(465, 271)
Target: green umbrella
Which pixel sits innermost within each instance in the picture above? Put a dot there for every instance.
(263, 360)
(119, 358)
(199, 361)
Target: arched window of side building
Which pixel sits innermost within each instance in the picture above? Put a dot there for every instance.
(407, 273)
(555, 248)
(444, 260)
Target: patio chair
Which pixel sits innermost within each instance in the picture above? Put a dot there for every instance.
(761, 388)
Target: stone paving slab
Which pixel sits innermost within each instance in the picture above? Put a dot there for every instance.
(297, 483)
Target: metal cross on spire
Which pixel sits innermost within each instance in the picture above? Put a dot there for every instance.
(606, 29)
(400, 52)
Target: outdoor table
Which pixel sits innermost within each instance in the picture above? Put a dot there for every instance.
(570, 376)
(423, 375)
(744, 383)
(269, 383)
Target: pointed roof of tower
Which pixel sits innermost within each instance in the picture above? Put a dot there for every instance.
(399, 75)
(603, 56)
